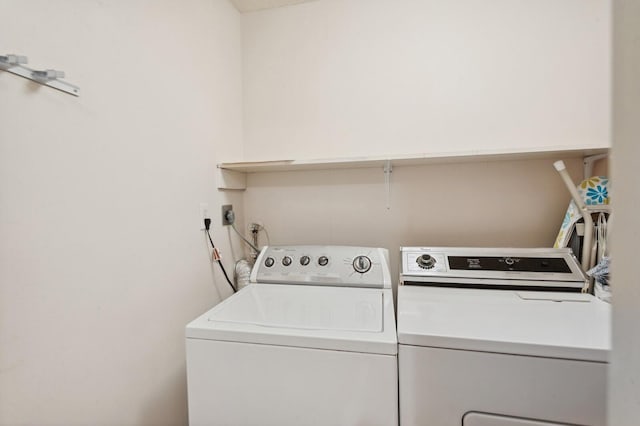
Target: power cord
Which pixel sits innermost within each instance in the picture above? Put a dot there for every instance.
(216, 253)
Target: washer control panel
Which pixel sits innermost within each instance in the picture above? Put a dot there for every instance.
(344, 266)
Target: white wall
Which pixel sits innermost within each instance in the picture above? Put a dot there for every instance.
(102, 263)
(624, 395)
(336, 78)
(499, 203)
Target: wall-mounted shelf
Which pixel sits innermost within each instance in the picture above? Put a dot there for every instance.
(232, 175)
(14, 64)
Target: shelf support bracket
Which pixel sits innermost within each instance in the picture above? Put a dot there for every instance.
(230, 179)
(388, 169)
(587, 163)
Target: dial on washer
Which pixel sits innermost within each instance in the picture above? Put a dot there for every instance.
(362, 264)
(426, 261)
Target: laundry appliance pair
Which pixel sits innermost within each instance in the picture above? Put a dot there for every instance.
(499, 337)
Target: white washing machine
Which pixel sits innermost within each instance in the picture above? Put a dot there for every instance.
(312, 341)
(499, 337)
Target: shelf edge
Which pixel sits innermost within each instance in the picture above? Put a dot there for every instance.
(406, 160)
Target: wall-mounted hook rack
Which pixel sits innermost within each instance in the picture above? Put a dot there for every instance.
(14, 65)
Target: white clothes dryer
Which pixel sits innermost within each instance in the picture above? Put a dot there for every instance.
(480, 344)
(312, 341)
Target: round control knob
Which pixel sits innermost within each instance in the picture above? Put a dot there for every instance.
(323, 261)
(269, 262)
(509, 261)
(426, 261)
(286, 261)
(305, 260)
(362, 264)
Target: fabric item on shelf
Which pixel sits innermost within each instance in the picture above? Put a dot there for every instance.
(594, 192)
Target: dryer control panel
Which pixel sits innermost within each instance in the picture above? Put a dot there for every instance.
(343, 266)
(477, 267)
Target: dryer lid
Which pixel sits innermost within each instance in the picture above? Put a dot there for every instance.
(351, 319)
(546, 324)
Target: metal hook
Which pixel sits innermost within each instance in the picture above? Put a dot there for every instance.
(13, 60)
(47, 75)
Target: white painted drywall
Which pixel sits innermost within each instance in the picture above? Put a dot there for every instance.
(509, 204)
(102, 262)
(337, 78)
(624, 384)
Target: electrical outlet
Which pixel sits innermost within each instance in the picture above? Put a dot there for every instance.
(204, 214)
(225, 220)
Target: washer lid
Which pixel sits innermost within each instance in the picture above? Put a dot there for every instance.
(359, 320)
(547, 324)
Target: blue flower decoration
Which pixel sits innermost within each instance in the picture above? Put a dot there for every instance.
(597, 195)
